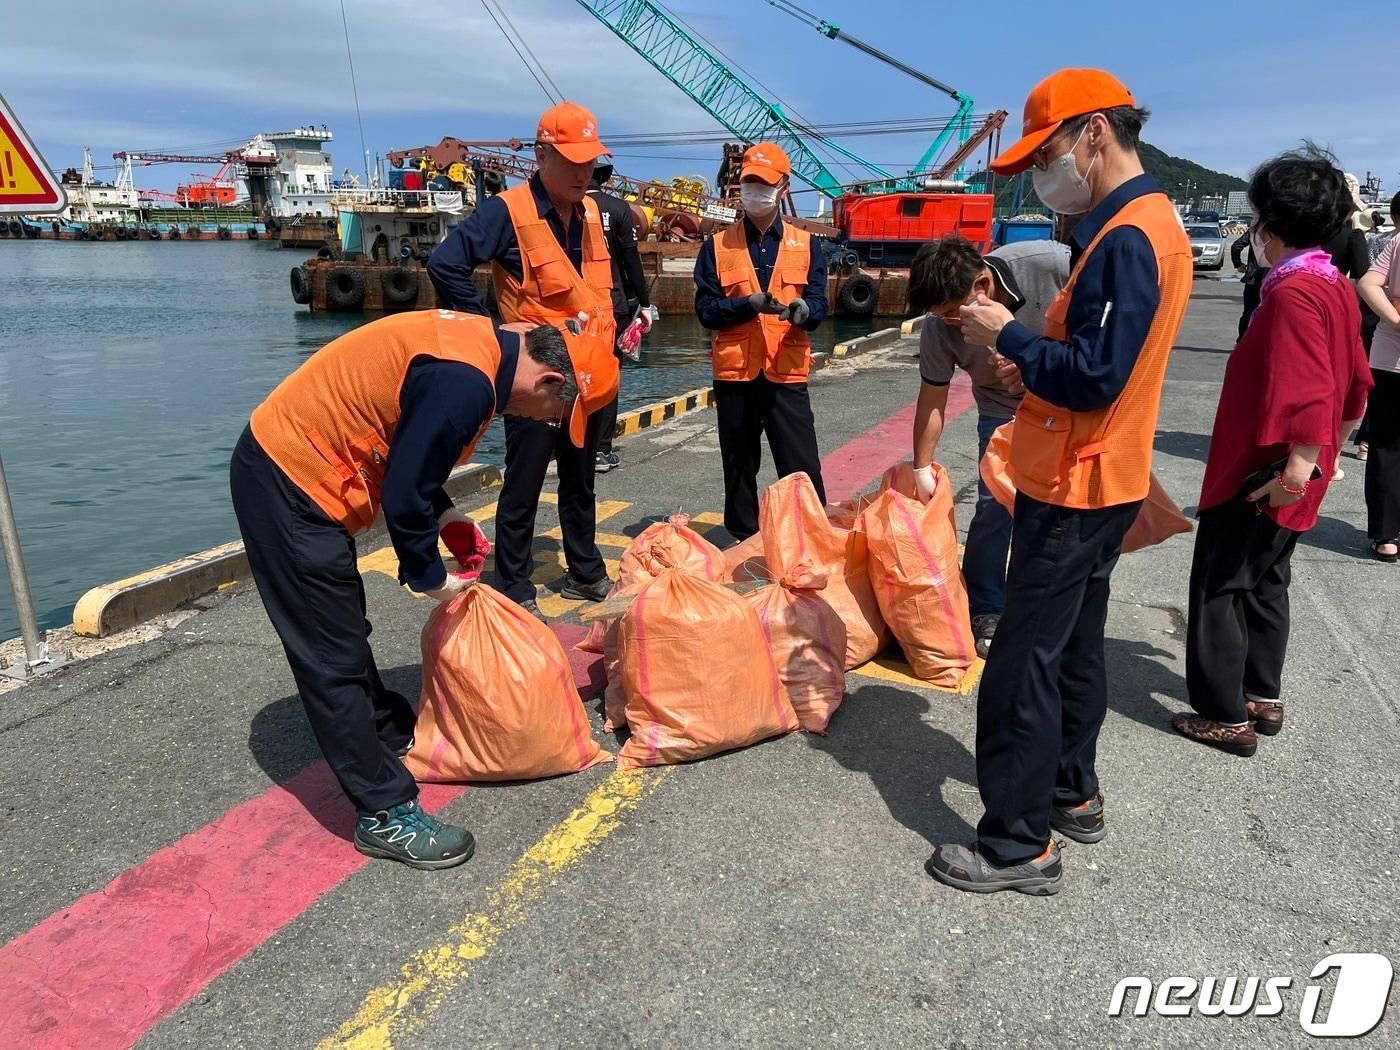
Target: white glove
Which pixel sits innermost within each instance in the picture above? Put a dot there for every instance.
(925, 482)
(454, 585)
(648, 316)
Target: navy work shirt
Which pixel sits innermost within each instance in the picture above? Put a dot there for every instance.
(717, 310)
(488, 235)
(442, 406)
(1110, 311)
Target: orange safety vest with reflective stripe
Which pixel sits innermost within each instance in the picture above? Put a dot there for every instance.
(550, 290)
(329, 425)
(779, 350)
(1103, 458)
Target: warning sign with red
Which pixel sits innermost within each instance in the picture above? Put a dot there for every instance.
(26, 183)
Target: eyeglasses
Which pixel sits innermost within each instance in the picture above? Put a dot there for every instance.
(564, 412)
(1039, 159)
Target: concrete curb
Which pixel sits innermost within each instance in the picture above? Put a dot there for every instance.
(654, 415)
(117, 606)
(866, 343)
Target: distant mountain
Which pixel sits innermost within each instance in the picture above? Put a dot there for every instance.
(1181, 178)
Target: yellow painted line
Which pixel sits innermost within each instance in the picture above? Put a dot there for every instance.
(893, 669)
(403, 1005)
(707, 517)
(549, 497)
(612, 539)
(607, 508)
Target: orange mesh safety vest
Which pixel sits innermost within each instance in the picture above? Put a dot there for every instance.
(330, 423)
(777, 349)
(550, 290)
(1103, 458)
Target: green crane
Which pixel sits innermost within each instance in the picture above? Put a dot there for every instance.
(740, 107)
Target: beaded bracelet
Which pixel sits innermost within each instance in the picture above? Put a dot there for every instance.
(1292, 492)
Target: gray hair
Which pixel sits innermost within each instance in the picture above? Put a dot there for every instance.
(545, 345)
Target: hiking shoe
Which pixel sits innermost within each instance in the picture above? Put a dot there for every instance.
(410, 836)
(1235, 740)
(1267, 716)
(532, 607)
(1083, 823)
(984, 629)
(400, 752)
(605, 462)
(964, 868)
(596, 591)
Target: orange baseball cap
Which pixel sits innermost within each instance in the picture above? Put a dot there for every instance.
(597, 372)
(573, 131)
(766, 161)
(1057, 98)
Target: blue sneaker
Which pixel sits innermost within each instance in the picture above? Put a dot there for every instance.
(410, 836)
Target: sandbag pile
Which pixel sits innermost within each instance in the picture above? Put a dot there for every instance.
(1159, 519)
(807, 640)
(498, 700)
(796, 531)
(918, 581)
(696, 673)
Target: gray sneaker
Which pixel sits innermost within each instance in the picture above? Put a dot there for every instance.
(532, 607)
(1083, 823)
(963, 868)
(984, 629)
(596, 591)
(410, 836)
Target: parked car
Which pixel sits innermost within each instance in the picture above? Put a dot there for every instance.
(1208, 251)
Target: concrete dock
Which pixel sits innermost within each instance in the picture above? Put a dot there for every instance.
(177, 871)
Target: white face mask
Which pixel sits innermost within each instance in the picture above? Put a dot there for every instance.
(758, 198)
(1258, 243)
(1061, 187)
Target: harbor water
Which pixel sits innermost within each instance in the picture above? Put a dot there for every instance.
(127, 372)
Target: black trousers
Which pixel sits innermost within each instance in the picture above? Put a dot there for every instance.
(305, 568)
(530, 445)
(1251, 303)
(1237, 622)
(1044, 692)
(748, 410)
(1383, 461)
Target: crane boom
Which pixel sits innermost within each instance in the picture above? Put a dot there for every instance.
(719, 90)
(962, 118)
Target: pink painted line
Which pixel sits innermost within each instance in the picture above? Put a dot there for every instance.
(855, 464)
(104, 971)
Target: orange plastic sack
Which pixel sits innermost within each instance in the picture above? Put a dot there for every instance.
(685, 548)
(796, 531)
(808, 643)
(697, 673)
(499, 701)
(1159, 520)
(744, 560)
(918, 582)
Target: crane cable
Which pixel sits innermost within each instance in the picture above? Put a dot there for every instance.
(354, 90)
(532, 64)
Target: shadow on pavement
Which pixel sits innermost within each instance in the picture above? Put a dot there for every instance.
(1182, 444)
(1135, 680)
(281, 743)
(881, 731)
(1202, 349)
(1337, 537)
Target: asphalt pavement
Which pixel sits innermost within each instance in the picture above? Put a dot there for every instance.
(161, 886)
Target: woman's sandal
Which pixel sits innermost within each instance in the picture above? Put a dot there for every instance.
(1376, 550)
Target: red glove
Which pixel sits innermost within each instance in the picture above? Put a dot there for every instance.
(468, 545)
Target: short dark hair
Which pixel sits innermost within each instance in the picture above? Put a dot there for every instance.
(545, 345)
(1301, 196)
(1124, 121)
(1395, 208)
(943, 272)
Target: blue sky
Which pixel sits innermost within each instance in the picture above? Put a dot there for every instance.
(1228, 84)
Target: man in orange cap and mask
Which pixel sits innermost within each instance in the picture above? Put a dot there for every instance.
(549, 264)
(760, 287)
(1081, 457)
